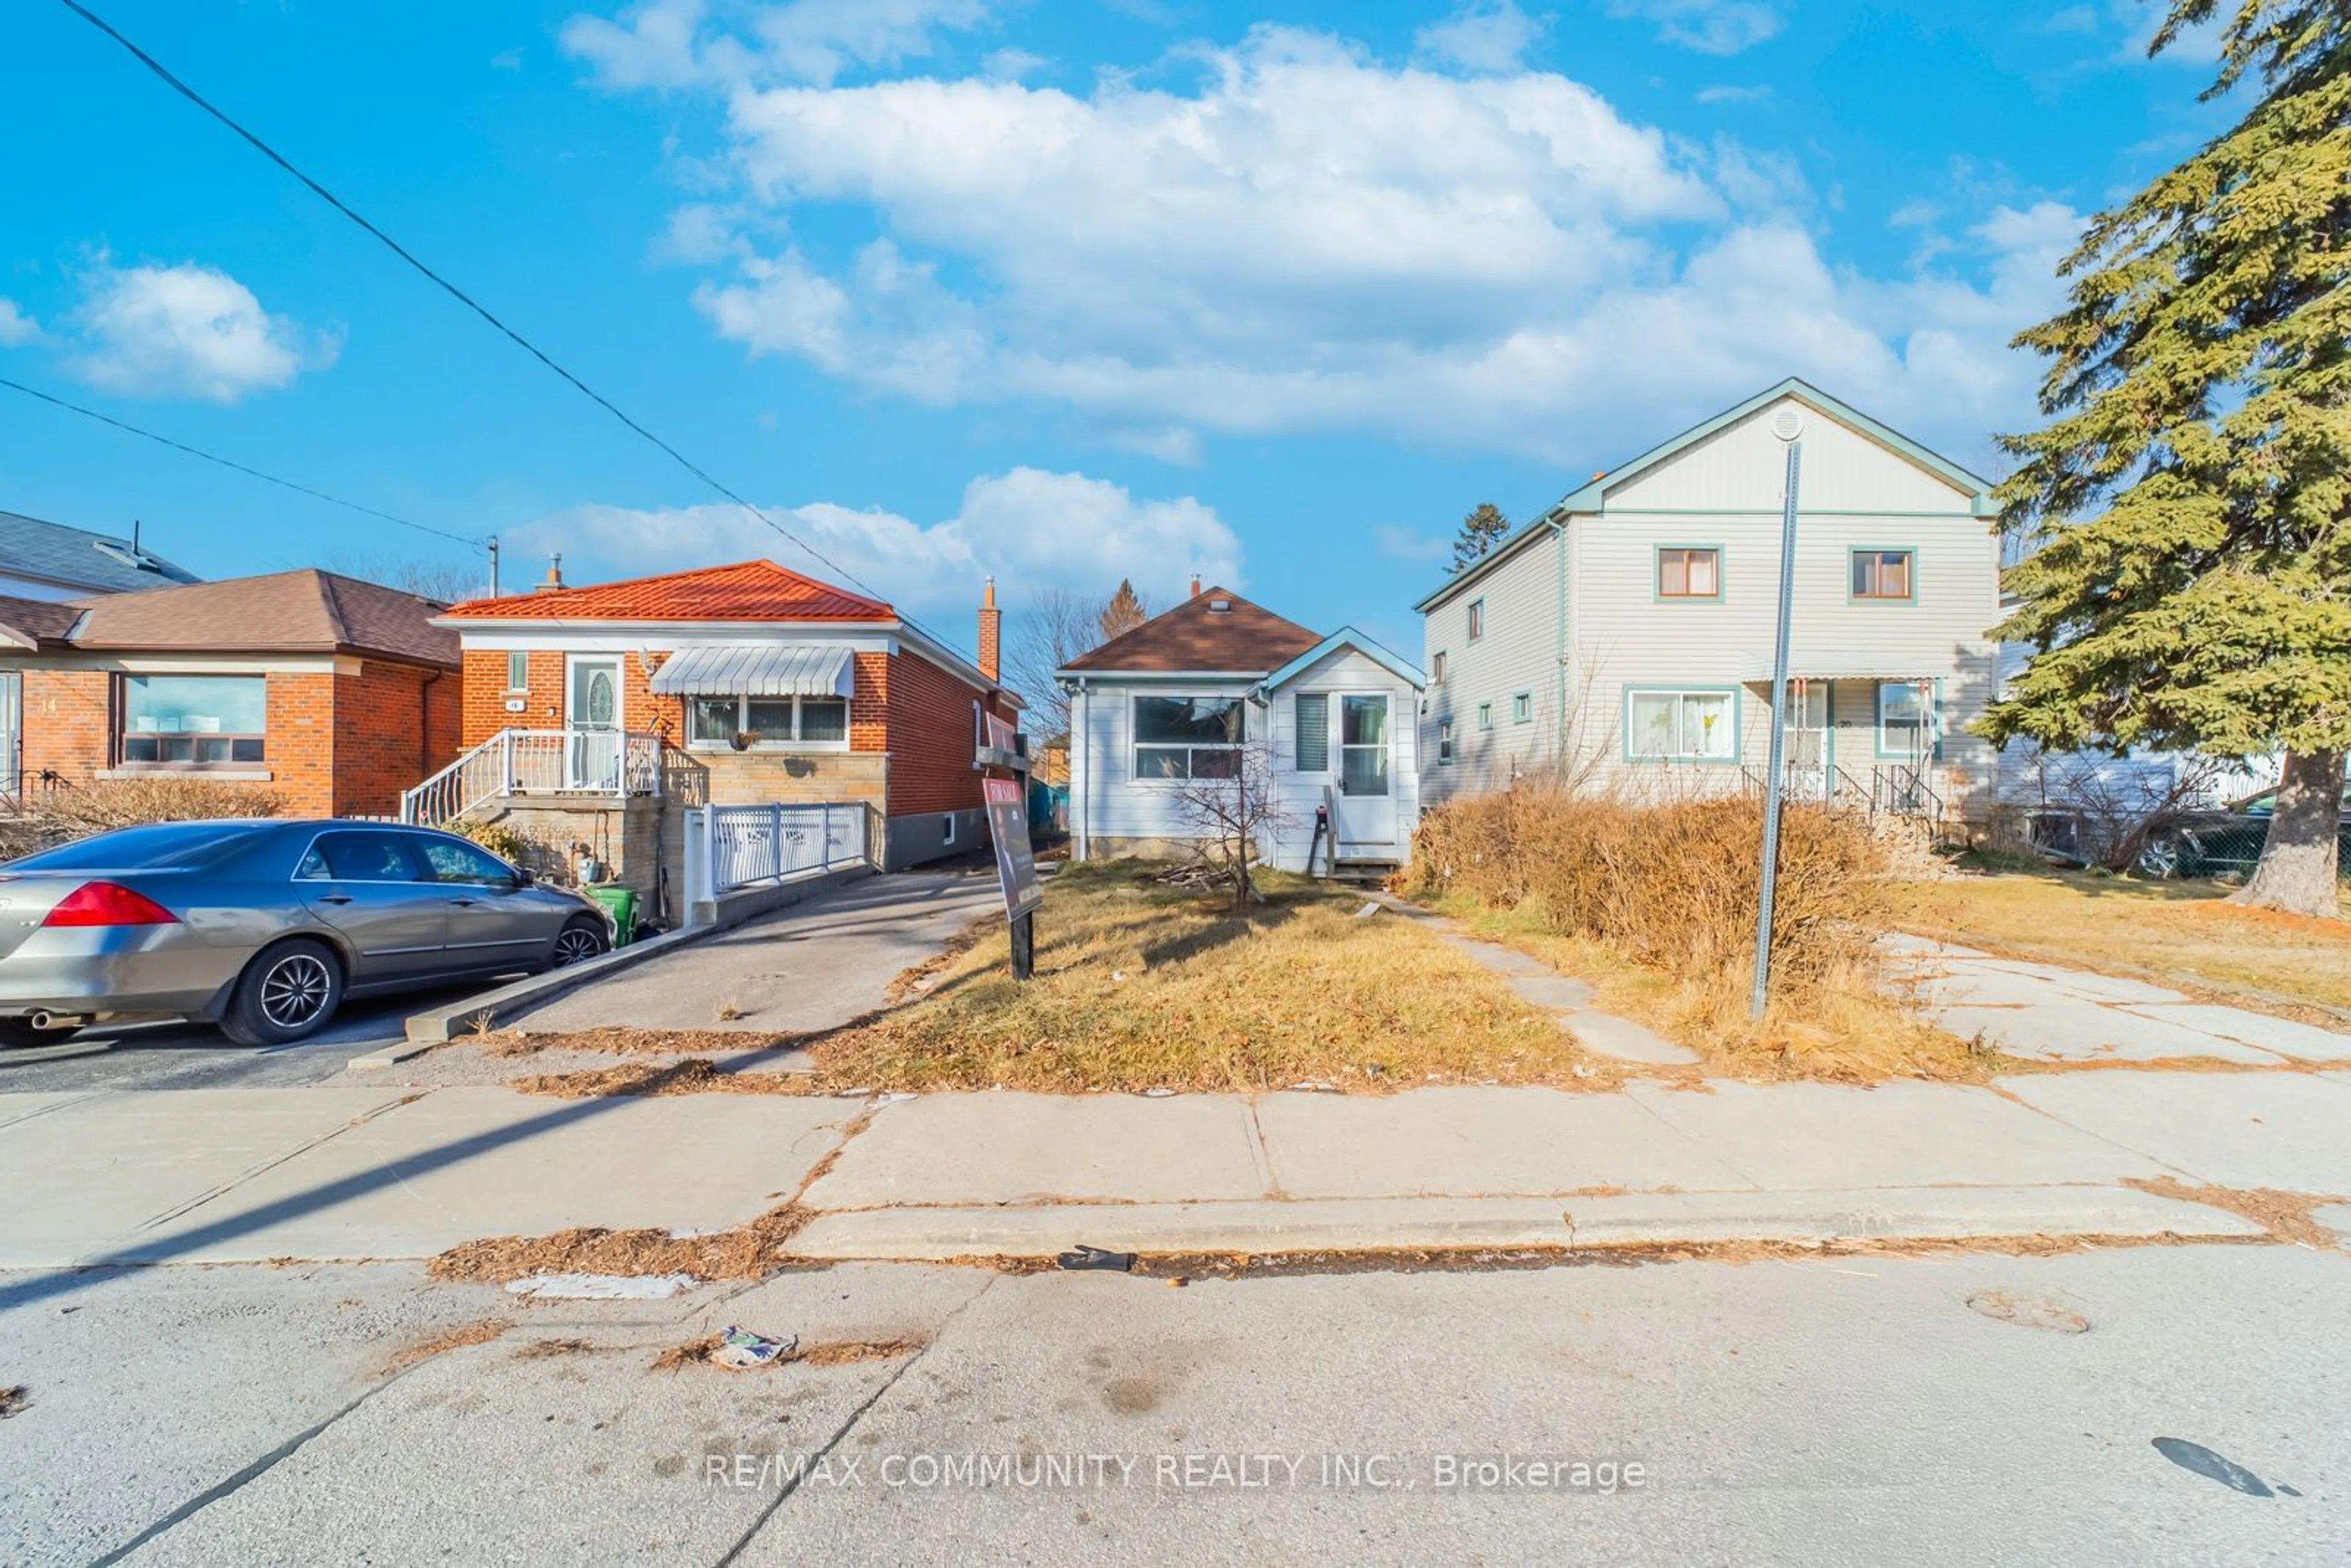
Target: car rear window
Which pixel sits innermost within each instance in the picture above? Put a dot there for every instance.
(157, 846)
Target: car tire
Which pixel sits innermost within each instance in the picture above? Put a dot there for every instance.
(287, 992)
(580, 939)
(17, 1034)
(2163, 858)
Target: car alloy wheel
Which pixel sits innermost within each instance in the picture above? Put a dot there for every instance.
(294, 991)
(576, 944)
(2161, 857)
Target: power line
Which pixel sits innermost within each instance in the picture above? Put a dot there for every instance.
(226, 463)
(475, 306)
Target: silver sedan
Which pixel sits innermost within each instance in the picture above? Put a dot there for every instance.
(263, 928)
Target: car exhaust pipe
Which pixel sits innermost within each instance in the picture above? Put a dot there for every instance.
(44, 1019)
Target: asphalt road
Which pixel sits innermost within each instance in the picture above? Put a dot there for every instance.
(1857, 1410)
(189, 1056)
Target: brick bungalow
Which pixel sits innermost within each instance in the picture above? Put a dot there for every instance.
(331, 693)
(775, 688)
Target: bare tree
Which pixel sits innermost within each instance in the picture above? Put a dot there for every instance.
(441, 581)
(1227, 817)
(1057, 626)
(2119, 808)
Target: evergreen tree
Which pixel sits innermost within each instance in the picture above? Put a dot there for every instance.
(1481, 530)
(2191, 583)
(1124, 611)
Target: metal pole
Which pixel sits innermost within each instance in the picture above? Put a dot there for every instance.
(493, 568)
(1774, 784)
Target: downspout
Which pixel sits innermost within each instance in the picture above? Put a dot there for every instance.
(1082, 768)
(1559, 739)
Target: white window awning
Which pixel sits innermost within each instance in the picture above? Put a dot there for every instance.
(1835, 667)
(758, 670)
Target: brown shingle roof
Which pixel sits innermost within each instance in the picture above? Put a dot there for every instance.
(1196, 635)
(303, 611)
(29, 623)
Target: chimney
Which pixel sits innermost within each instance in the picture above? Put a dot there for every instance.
(554, 575)
(1196, 585)
(991, 631)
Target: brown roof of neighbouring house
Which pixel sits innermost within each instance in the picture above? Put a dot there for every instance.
(747, 591)
(1198, 635)
(29, 623)
(303, 611)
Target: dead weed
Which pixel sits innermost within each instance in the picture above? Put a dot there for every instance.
(745, 1252)
(633, 1041)
(2284, 1215)
(452, 1339)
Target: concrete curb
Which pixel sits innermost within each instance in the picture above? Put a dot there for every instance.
(1891, 1214)
(437, 1026)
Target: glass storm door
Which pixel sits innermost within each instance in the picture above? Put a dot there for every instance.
(1366, 798)
(593, 715)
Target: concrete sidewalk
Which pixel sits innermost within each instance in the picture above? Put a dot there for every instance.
(247, 1176)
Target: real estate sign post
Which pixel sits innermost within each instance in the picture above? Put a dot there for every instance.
(1007, 830)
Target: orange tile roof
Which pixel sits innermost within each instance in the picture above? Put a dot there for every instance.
(747, 591)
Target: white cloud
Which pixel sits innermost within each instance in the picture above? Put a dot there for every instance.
(16, 326)
(1709, 27)
(1029, 528)
(1305, 238)
(665, 43)
(1404, 544)
(186, 331)
(1484, 35)
(1761, 94)
(1168, 442)
(1011, 65)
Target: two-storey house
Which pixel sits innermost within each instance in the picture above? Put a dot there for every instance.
(1624, 639)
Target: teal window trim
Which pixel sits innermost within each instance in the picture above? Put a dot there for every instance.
(1934, 724)
(1658, 594)
(1854, 551)
(1484, 716)
(1737, 719)
(1474, 619)
(1522, 708)
(1445, 743)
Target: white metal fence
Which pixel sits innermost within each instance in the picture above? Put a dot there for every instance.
(536, 762)
(744, 845)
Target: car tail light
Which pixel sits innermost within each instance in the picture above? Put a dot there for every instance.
(108, 904)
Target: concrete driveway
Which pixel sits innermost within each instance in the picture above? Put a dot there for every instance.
(814, 965)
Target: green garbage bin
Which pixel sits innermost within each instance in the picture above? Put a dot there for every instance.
(620, 903)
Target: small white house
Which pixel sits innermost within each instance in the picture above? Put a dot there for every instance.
(1219, 689)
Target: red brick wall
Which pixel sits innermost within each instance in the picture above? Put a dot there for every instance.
(301, 750)
(394, 726)
(485, 700)
(930, 739)
(68, 719)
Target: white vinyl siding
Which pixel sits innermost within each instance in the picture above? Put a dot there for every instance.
(1725, 493)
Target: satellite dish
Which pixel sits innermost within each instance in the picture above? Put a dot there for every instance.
(1788, 423)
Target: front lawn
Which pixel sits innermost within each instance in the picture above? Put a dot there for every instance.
(2179, 931)
(1143, 985)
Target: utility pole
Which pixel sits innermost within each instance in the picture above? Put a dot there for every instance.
(1788, 425)
(493, 566)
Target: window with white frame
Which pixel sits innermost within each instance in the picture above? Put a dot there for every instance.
(1669, 726)
(1443, 743)
(1905, 719)
(1189, 737)
(767, 721)
(517, 671)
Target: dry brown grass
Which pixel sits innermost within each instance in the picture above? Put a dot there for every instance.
(481, 1332)
(60, 816)
(618, 1041)
(1142, 986)
(2174, 931)
(694, 1075)
(1655, 907)
(745, 1252)
(2286, 1216)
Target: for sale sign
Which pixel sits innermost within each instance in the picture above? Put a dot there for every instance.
(1008, 824)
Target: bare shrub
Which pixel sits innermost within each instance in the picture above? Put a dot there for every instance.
(60, 816)
(1673, 886)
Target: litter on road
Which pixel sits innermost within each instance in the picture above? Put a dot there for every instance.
(1085, 1256)
(741, 1350)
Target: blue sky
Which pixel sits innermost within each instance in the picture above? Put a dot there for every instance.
(1063, 290)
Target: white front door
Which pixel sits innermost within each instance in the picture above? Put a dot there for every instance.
(1809, 761)
(1366, 803)
(593, 716)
